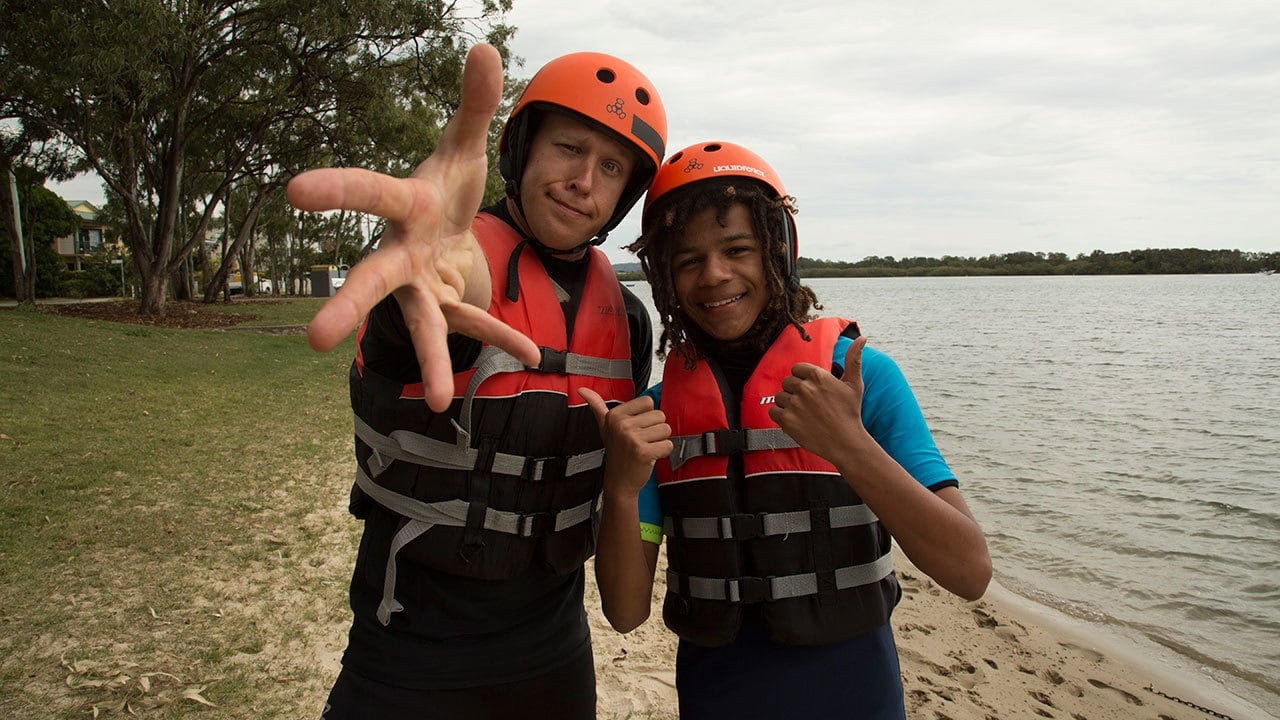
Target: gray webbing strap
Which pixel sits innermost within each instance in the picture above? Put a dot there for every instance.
(688, 447)
(422, 450)
(493, 360)
(453, 513)
(752, 589)
(407, 534)
(746, 526)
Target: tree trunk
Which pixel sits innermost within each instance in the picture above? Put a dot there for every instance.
(29, 277)
(154, 290)
(247, 263)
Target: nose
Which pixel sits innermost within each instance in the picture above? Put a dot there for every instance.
(583, 175)
(714, 270)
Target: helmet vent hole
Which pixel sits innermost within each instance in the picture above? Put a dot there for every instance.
(713, 147)
(675, 158)
(642, 96)
(606, 76)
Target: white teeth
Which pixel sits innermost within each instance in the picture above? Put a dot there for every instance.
(721, 303)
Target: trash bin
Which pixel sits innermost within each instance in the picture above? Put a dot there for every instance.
(322, 280)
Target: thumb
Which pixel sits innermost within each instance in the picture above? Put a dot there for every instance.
(596, 403)
(853, 362)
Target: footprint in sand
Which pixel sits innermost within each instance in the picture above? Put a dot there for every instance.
(1128, 696)
(1042, 698)
(1089, 653)
(984, 619)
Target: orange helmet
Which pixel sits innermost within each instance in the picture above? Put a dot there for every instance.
(605, 90)
(717, 160)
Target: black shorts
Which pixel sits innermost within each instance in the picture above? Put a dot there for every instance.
(566, 693)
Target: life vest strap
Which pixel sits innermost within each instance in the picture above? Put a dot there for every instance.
(453, 513)
(421, 450)
(769, 589)
(746, 526)
(493, 360)
(728, 442)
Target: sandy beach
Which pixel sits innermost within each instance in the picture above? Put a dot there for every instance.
(992, 659)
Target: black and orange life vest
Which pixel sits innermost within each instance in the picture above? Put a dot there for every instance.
(778, 527)
(510, 476)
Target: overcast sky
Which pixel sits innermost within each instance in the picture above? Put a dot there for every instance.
(966, 128)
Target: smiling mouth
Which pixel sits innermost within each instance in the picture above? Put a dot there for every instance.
(565, 206)
(722, 303)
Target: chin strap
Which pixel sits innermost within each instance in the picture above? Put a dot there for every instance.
(513, 264)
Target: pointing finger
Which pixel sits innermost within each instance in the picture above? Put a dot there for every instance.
(352, 189)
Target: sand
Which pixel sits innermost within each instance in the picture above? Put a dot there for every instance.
(1000, 657)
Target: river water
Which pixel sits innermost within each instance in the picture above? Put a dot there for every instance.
(1118, 437)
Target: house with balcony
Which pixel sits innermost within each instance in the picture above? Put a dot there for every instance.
(90, 238)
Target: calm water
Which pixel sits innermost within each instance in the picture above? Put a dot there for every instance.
(1119, 439)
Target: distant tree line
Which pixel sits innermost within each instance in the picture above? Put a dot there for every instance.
(1151, 261)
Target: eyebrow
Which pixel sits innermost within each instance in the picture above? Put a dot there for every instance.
(727, 240)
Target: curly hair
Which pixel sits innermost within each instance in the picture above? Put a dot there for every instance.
(789, 302)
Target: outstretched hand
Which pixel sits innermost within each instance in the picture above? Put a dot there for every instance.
(428, 257)
(635, 436)
(819, 411)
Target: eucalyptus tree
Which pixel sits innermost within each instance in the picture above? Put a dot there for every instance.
(174, 101)
(29, 155)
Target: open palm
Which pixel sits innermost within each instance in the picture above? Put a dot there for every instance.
(428, 257)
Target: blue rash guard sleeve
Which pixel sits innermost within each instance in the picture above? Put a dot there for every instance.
(650, 507)
(890, 413)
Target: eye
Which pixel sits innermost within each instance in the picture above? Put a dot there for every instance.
(613, 167)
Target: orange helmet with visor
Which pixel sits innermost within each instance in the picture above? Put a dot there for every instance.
(717, 160)
(608, 92)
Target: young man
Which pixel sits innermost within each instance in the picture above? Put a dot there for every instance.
(481, 504)
(785, 456)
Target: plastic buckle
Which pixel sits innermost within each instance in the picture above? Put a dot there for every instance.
(724, 442)
(536, 524)
(741, 527)
(748, 589)
(553, 361)
(548, 468)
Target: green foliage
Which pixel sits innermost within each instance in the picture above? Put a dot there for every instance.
(172, 103)
(50, 268)
(45, 217)
(1129, 262)
(49, 216)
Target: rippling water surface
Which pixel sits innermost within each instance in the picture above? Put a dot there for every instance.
(1119, 439)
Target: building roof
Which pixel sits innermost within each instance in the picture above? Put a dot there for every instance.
(85, 209)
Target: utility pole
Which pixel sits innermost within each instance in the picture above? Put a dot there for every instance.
(17, 218)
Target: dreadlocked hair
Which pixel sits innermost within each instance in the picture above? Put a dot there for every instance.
(789, 302)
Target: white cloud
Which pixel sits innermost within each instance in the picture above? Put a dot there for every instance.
(930, 128)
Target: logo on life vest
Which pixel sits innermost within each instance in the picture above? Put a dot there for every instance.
(612, 310)
(766, 399)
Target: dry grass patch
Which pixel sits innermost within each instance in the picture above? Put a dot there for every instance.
(173, 540)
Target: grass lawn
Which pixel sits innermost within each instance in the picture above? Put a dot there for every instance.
(173, 535)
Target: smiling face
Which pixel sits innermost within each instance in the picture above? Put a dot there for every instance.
(573, 178)
(718, 273)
